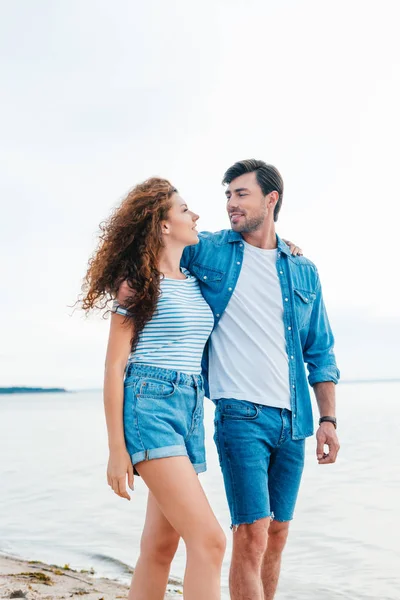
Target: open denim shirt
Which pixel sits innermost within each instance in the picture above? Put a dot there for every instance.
(217, 260)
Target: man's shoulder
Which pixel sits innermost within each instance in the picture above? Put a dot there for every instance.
(208, 246)
(215, 237)
(304, 273)
(302, 262)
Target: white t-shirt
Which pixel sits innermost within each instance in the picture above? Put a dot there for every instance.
(248, 358)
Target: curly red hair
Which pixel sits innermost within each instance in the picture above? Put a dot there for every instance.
(128, 251)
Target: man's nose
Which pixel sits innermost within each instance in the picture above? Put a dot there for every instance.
(231, 205)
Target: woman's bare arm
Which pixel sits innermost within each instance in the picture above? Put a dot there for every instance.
(118, 349)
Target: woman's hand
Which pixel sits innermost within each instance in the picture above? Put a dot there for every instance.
(295, 250)
(119, 466)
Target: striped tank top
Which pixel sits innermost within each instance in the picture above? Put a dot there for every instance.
(176, 335)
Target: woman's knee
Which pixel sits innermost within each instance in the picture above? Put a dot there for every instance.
(159, 548)
(209, 544)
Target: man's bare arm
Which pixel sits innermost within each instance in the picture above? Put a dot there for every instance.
(326, 433)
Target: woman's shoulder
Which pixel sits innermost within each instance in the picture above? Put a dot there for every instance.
(119, 303)
(124, 292)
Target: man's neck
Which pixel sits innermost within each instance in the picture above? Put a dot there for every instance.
(264, 238)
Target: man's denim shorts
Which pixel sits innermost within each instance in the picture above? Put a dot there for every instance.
(262, 465)
(163, 415)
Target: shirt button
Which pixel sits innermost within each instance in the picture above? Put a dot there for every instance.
(238, 262)
(241, 245)
(205, 277)
(290, 329)
(217, 315)
(281, 272)
(286, 299)
(292, 357)
(293, 386)
(229, 289)
(294, 416)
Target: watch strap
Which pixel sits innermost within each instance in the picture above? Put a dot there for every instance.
(328, 420)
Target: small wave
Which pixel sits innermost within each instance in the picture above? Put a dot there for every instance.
(124, 568)
(110, 560)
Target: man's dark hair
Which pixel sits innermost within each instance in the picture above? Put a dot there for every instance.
(268, 178)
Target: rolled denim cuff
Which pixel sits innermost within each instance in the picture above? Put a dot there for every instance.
(326, 373)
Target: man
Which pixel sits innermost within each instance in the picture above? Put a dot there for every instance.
(270, 319)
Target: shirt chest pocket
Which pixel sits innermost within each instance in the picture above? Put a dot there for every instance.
(213, 278)
(303, 302)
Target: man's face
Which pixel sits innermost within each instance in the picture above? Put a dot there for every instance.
(246, 204)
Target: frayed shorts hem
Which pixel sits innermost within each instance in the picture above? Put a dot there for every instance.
(250, 519)
(165, 452)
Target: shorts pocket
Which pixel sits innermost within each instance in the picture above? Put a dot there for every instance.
(239, 409)
(155, 388)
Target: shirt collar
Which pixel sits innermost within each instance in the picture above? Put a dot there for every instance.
(282, 246)
(234, 236)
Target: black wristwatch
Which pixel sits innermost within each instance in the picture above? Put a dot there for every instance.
(329, 420)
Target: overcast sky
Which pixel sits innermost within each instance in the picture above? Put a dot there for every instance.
(97, 96)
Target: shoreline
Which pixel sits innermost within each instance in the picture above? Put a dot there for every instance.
(36, 580)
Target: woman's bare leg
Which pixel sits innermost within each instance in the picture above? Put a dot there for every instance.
(157, 549)
(177, 491)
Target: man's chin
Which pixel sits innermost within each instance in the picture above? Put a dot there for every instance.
(238, 228)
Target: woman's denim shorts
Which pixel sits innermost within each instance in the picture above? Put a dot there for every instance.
(163, 415)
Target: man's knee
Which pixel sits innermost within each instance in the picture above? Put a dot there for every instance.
(277, 535)
(250, 541)
(160, 549)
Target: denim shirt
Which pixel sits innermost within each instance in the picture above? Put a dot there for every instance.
(217, 261)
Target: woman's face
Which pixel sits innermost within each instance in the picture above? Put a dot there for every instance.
(181, 223)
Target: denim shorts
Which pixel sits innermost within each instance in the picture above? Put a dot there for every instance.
(262, 465)
(163, 415)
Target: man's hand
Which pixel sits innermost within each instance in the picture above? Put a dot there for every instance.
(326, 434)
(295, 250)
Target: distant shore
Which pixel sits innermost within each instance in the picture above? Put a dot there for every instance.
(31, 390)
(39, 581)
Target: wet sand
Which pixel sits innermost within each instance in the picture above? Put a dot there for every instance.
(36, 580)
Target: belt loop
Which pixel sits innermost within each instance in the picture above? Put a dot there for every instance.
(177, 378)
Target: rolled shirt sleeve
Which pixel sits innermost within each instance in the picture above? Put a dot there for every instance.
(318, 350)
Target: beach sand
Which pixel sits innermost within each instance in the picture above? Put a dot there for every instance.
(36, 580)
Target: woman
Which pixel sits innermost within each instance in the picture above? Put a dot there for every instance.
(153, 390)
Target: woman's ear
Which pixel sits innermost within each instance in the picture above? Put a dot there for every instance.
(165, 227)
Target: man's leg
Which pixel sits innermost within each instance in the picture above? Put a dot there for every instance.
(284, 477)
(245, 435)
(249, 549)
(271, 565)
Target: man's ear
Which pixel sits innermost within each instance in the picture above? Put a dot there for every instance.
(273, 198)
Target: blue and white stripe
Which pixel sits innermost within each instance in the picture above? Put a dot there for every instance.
(176, 335)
